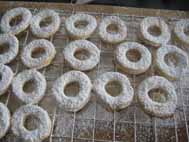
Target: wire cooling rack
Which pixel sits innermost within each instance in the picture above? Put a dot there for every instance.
(94, 123)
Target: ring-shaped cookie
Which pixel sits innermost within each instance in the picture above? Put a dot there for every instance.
(82, 45)
(179, 31)
(10, 15)
(43, 60)
(5, 120)
(169, 70)
(36, 135)
(34, 96)
(163, 36)
(48, 30)
(70, 103)
(80, 32)
(11, 53)
(121, 100)
(6, 78)
(115, 37)
(158, 109)
(133, 67)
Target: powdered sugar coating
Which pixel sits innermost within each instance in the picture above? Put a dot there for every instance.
(40, 86)
(80, 33)
(13, 13)
(78, 45)
(150, 39)
(5, 120)
(6, 78)
(50, 29)
(77, 102)
(117, 37)
(158, 109)
(123, 99)
(18, 123)
(12, 52)
(137, 67)
(42, 61)
(179, 31)
(170, 71)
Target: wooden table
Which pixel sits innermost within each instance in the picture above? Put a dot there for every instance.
(97, 8)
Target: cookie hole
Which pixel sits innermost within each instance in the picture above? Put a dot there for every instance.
(45, 22)
(81, 24)
(186, 30)
(4, 48)
(38, 52)
(158, 95)
(174, 59)
(31, 122)
(16, 20)
(82, 54)
(72, 89)
(113, 88)
(29, 86)
(133, 55)
(154, 30)
(112, 29)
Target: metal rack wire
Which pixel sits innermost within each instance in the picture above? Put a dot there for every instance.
(94, 123)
